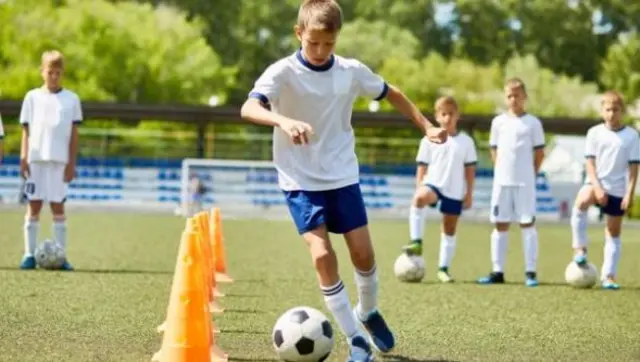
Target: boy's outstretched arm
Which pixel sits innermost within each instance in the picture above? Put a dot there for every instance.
(402, 103)
(254, 111)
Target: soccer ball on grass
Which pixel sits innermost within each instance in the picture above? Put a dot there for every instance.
(303, 334)
(581, 276)
(50, 255)
(409, 268)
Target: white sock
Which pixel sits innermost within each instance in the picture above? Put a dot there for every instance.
(337, 301)
(447, 250)
(367, 284)
(579, 224)
(530, 248)
(416, 222)
(60, 233)
(612, 247)
(499, 241)
(30, 236)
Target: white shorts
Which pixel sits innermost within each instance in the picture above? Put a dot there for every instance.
(46, 182)
(513, 204)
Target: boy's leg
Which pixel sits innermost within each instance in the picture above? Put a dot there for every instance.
(34, 191)
(423, 197)
(580, 222)
(57, 197)
(308, 210)
(502, 200)
(346, 214)
(612, 244)
(526, 214)
(451, 210)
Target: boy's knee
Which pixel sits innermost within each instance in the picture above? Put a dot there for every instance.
(449, 226)
(323, 257)
(422, 197)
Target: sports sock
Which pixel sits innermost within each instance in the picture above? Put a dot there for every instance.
(337, 301)
(60, 231)
(579, 228)
(31, 227)
(447, 250)
(367, 285)
(416, 222)
(530, 248)
(612, 248)
(499, 241)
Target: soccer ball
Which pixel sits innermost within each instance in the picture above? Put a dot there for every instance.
(50, 255)
(303, 334)
(581, 277)
(409, 268)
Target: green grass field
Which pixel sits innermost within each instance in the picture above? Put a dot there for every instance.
(109, 308)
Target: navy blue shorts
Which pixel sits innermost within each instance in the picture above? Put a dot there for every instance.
(448, 206)
(341, 210)
(613, 206)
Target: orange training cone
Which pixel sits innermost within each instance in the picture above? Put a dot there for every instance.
(203, 230)
(187, 337)
(218, 247)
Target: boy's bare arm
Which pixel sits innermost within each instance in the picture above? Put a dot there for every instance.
(633, 180)
(421, 173)
(493, 153)
(591, 173)
(470, 179)
(538, 157)
(402, 103)
(255, 112)
(73, 145)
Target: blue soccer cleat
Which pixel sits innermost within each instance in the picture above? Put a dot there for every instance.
(492, 278)
(380, 335)
(531, 280)
(580, 259)
(28, 263)
(360, 351)
(66, 266)
(610, 285)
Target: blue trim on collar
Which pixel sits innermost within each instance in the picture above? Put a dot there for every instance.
(316, 68)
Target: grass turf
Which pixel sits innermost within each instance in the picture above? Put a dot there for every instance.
(109, 308)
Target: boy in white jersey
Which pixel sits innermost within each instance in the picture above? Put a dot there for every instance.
(445, 175)
(612, 153)
(517, 150)
(308, 98)
(50, 116)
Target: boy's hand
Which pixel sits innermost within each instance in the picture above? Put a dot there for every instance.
(24, 168)
(299, 132)
(69, 172)
(436, 135)
(601, 196)
(627, 201)
(468, 201)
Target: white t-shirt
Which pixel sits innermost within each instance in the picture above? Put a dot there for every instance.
(323, 97)
(50, 118)
(613, 151)
(447, 162)
(515, 139)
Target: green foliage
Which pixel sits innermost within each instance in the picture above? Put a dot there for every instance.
(621, 68)
(634, 213)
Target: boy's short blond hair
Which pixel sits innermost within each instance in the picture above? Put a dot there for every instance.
(325, 15)
(446, 101)
(515, 83)
(613, 97)
(52, 59)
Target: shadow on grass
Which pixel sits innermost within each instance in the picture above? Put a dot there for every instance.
(243, 311)
(243, 331)
(399, 358)
(240, 359)
(122, 271)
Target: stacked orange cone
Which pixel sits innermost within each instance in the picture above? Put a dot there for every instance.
(189, 329)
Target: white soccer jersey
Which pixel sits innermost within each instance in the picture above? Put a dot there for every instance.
(515, 139)
(323, 97)
(613, 151)
(446, 163)
(50, 117)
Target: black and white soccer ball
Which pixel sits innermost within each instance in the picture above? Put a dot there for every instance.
(409, 268)
(50, 255)
(303, 334)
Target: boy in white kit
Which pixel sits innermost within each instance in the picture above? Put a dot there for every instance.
(612, 153)
(50, 116)
(445, 175)
(517, 150)
(308, 98)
